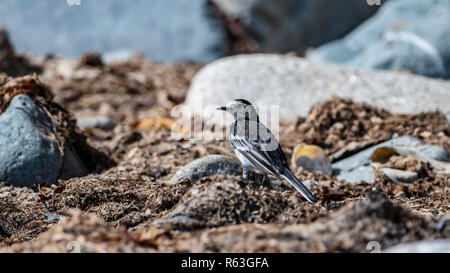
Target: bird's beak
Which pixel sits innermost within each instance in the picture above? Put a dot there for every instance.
(222, 108)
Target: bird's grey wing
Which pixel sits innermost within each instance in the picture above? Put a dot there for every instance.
(271, 160)
(251, 152)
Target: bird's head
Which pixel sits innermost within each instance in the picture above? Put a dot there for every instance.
(240, 109)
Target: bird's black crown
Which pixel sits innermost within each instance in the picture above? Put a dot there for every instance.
(246, 102)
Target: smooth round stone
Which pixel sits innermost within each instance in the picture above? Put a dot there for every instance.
(98, 122)
(400, 176)
(286, 87)
(207, 166)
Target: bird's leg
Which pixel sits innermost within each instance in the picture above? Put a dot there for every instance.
(265, 180)
(261, 179)
(244, 172)
(258, 179)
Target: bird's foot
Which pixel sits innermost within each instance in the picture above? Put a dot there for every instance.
(262, 179)
(244, 173)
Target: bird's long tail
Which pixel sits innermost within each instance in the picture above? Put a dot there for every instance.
(291, 178)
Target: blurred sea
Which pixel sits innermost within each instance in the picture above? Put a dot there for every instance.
(175, 30)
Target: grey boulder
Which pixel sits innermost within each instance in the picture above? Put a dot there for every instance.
(290, 86)
(207, 166)
(29, 153)
(404, 35)
(295, 25)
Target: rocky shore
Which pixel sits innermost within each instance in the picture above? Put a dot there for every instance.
(89, 161)
(124, 201)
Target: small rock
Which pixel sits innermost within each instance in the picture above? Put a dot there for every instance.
(207, 166)
(400, 176)
(400, 194)
(178, 222)
(383, 154)
(357, 168)
(311, 157)
(442, 224)
(435, 246)
(357, 175)
(403, 35)
(98, 122)
(29, 153)
(434, 151)
(54, 218)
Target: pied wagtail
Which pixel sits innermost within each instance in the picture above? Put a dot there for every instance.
(257, 148)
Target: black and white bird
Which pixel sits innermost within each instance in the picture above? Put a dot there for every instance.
(257, 148)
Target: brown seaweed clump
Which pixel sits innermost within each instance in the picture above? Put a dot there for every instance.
(341, 125)
(429, 193)
(138, 87)
(356, 227)
(339, 120)
(372, 224)
(229, 200)
(123, 200)
(117, 200)
(83, 232)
